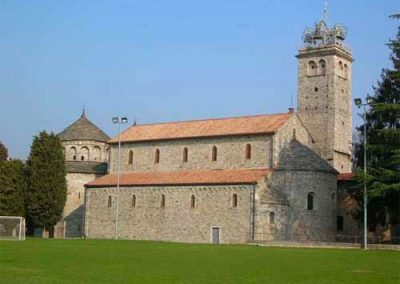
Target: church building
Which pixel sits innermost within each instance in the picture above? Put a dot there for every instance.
(229, 180)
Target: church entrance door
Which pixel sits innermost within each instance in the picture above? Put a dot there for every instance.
(215, 235)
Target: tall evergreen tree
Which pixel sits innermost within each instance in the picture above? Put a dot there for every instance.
(12, 188)
(3, 152)
(383, 148)
(47, 186)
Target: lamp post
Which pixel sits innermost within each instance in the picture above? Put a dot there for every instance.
(119, 121)
(358, 102)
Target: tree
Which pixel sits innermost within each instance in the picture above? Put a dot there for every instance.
(12, 188)
(3, 152)
(47, 186)
(383, 148)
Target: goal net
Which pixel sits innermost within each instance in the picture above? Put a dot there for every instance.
(12, 228)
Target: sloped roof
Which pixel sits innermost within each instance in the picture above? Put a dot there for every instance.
(345, 176)
(83, 129)
(245, 125)
(296, 156)
(195, 177)
(85, 167)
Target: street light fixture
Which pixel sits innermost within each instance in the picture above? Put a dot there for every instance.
(119, 121)
(358, 102)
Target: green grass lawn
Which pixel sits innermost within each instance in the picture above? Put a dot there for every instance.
(81, 261)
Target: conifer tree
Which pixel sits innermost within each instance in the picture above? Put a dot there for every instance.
(12, 188)
(383, 148)
(47, 187)
(3, 152)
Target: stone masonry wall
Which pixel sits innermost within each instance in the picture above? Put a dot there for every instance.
(177, 221)
(97, 151)
(302, 224)
(73, 211)
(346, 206)
(324, 102)
(293, 127)
(231, 154)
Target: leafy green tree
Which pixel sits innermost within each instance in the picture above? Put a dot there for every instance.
(3, 152)
(383, 148)
(12, 188)
(47, 186)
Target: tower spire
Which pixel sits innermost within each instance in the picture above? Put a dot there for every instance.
(83, 112)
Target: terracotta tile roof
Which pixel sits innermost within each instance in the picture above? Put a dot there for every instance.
(258, 124)
(345, 176)
(237, 176)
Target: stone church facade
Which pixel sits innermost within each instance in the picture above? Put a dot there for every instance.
(231, 180)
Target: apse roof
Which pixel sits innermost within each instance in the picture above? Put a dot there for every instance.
(83, 129)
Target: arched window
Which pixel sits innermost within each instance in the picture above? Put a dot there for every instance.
(341, 68)
(109, 202)
(214, 153)
(157, 156)
(84, 153)
(248, 152)
(322, 67)
(234, 200)
(310, 201)
(130, 157)
(162, 200)
(192, 201)
(346, 71)
(272, 217)
(72, 153)
(133, 204)
(185, 154)
(96, 153)
(312, 68)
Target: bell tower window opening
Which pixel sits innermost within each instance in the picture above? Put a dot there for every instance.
(322, 67)
(312, 68)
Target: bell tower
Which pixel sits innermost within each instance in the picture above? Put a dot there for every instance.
(324, 92)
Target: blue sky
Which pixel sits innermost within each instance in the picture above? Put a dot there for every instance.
(166, 60)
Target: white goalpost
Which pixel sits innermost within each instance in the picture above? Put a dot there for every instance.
(12, 228)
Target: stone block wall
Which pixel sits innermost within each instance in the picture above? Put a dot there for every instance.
(292, 129)
(347, 207)
(177, 221)
(71, 224)
(324, 102)
(231, 154)
(303, 224)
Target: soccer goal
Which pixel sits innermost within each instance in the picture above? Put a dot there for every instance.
(12, 228)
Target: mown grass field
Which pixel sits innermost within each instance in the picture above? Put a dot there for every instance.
(82, 261)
